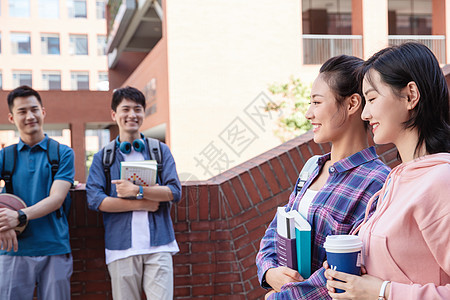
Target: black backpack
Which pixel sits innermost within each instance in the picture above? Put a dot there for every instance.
(109, 152)
(9, 165)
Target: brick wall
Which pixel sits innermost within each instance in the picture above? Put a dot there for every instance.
(218, 225)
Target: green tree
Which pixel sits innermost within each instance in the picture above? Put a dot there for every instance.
(292, 100)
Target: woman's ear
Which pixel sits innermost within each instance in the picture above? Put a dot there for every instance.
(354, 104)
(412, 91)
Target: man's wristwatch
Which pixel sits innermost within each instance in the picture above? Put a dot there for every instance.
(22, 218)
(140, 195)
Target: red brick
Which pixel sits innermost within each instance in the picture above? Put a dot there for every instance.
(297, 160)
(224, 257)
(182, 292)
(193, 237)
(214, 196)
(202, 290)
(238, 231)
(220, 235)
(315, 149)
(240, 192)
(222, 289)
(180, 212)
(89, 275)
(203, 247)
(248, 262)
(249, 186)
(191, 259)
(192, 199)
(267, 206)
(202, 226)
(192, 280)
(203, 202)
(280, 173)
(180, 226)
(306, 153)
(227, 189)
(204, 268)
(238, 288)
(243, 218)
(270, 178)
(257, 293)
(261, 184)
(290, 169)
(245, 251)
(326, 147)
(265, 219)
(222, 278)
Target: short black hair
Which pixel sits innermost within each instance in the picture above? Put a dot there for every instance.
(129, 93)
(22, 91)
(412, 61)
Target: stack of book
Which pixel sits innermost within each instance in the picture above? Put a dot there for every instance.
(293, 241)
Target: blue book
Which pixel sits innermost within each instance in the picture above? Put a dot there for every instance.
(303, 244)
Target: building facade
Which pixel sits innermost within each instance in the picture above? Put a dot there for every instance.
(205, 66)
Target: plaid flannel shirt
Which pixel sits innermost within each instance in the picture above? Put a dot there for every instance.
(338, 207)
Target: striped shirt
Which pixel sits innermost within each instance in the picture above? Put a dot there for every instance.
(338, 207)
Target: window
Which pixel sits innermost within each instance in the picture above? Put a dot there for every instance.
(77, 8)
(22, 78)
(51, 80)
(20, 43)
(408, 17)
(19, 8)
(103, 83)
(101, 45)
(79, 81)
(50, 43)
(327, 17)
(78, 44)
(100, 6)
(49, 9)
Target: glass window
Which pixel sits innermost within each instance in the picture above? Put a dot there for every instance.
(20, 43)
(19, 8)
(77, 8)
(103, 83)
(327, 17)
(22, 78)
(50, 43)
(51, 80)
(78, 44)
(49, 9)
(100, 6)
(79, 81)
(410, 17)
(101, 45)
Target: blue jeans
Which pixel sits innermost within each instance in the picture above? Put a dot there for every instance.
(21, 274)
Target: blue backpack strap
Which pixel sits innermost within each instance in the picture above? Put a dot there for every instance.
(9, 164)
(108, 158)
(154, 148)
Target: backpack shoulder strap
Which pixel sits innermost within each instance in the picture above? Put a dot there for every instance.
(109, 152)
(306, 172)
(154, 146)
(9, 164)
(53, 156)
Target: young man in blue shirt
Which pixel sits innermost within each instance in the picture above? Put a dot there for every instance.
(40, 256)
(139, 235)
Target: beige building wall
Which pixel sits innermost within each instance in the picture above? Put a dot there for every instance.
(222, 56)
(64, 62)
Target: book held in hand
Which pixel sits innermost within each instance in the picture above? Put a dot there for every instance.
(139, 172)
(293, 243)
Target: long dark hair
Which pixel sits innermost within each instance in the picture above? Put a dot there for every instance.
(399, 65)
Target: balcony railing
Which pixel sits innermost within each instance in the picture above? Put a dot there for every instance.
(318, 48)
(436, 43)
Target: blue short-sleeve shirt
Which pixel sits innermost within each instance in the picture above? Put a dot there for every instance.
(32, 181)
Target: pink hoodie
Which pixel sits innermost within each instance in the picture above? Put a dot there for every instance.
(407, 240)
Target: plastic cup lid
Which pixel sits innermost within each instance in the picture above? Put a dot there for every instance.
(342, 242)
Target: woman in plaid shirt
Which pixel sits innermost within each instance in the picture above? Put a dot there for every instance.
(334, 197)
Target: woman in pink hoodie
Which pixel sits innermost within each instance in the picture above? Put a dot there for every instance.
(406, 250)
